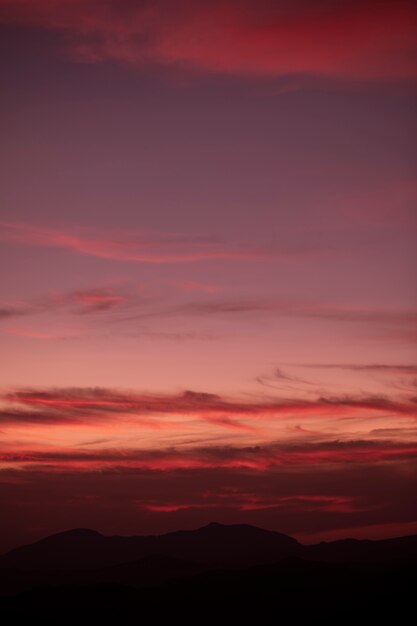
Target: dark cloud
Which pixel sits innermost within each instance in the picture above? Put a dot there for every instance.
(82, 301)
(15, 416)
(293, 309)
(397, 376)
(373, 367)
(10, 312)
(258, 457)
(374, 403)
(57, 405)
(281, 380)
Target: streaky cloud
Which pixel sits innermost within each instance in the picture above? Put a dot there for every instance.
(144, 247)
(372, 367)
(343, 40)
(259, 457)
(106, 406)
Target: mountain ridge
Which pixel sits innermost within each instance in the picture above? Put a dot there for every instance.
(215, 545)
(235, 571)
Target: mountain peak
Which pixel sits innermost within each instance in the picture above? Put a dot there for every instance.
(242, 529)
(214, 545)
(75, 534)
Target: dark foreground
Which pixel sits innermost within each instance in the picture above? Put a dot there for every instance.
(217, 573)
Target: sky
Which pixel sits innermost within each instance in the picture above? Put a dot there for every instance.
(208, 266)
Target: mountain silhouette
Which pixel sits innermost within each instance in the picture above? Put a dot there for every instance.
(214, 544)
(363, 550)
(240, 570)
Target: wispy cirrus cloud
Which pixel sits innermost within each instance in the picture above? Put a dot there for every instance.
(259, 457)
(44, 335)
(80, 302)
(93, 300)
(371, 367)
(245, 501)
(83, 403)
(10, 416)
(395, 323)
(7, 312)
(402, 377)
(281, 380)
(367, 39)
(129, 307)
(188, 286)
(85, 301)
(145, 247)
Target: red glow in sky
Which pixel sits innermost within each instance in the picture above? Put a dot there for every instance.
(207, 239)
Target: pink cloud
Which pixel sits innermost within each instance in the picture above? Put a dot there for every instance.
(297, 307)
(257, 458)
(367, 39)
(82, 301)
(46, 428)
(211, 406)
(378, 368)
(193, 285)
(43, 334)
(97, 299)
(141, 247)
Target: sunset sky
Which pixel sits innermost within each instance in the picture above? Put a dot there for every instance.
(208, 266)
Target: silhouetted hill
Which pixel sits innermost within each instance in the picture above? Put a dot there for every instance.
(362, 550)
(147, 572)
(238, 571)
(78, 548)
(215, 544)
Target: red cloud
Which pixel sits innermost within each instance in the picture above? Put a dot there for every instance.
(82, 301)
(257, 458)
(193, 285)
(357, 39)
(98, 401)
(96, 299)
(323, 499)
(242, 501)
